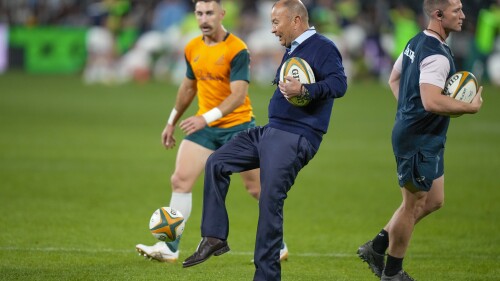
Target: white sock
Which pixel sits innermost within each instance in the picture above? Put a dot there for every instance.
(182, 202)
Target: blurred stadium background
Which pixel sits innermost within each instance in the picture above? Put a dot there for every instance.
(116, 41)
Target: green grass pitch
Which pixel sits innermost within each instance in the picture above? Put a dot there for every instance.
(82, 170)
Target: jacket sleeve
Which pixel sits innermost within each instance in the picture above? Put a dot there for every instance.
(331, 81)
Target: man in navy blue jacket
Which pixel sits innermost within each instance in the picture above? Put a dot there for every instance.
(280, 149)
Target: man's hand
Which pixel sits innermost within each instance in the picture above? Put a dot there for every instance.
(291, 88)
(167, 136)
(192, 124)
(477, 102)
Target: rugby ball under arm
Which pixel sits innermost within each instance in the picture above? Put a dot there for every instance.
(299, 69)
(461, 86)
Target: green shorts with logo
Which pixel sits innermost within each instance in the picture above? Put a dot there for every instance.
(213, 137)
(421, 169)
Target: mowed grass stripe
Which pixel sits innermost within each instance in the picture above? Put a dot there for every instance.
(236, 253)
(89, 250)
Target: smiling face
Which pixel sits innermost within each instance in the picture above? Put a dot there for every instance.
(453, 16)
(282, 25)
(209, 16)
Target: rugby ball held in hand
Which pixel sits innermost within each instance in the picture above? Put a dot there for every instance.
(461, 86)
(300, 70)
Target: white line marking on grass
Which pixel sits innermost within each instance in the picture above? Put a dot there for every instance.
(103, 250)
(54, 249)
(336, 255)
(236, 253)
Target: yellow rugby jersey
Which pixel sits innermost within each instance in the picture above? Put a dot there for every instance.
(214, 67)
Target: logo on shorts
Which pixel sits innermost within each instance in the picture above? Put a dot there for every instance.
(400, 176)
(420, 179)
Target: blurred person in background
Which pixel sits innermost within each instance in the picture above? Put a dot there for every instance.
(484, 57)
(168, 13)
(265, 52)
(102, 52)
(3, 47)
(158, 42)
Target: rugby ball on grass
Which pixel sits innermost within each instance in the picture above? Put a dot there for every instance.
(461, 86)
(299, 69)
(166, 224)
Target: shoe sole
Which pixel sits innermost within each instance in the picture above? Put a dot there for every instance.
(284, 257)
(219, 252)
(364, 258)
(147, 256)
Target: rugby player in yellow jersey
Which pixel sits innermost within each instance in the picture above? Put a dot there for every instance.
(218, 72)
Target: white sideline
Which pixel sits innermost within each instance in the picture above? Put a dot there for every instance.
(236, 253)
(488, 256)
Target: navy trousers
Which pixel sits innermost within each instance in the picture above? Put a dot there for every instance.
(280, 156)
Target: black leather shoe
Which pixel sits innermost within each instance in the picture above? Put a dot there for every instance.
(208, 246)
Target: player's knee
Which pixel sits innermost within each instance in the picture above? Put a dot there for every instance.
(435, 205)
(180, 183)
(253, 190)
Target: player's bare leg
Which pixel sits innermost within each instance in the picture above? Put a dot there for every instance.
(401, 229)
(435, 199)
(403, 221)
(251, 180)
(374, 254)
(190, 163)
